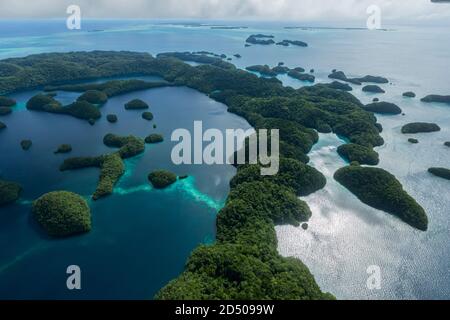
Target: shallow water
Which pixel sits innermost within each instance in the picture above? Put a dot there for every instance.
(344, 235)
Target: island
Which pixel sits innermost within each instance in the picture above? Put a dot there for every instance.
(376, 100)
(62, 214)
(9, 192)
(136, 104)
(301, 76)
(7, 102)
(409, 94)
(79, 109)
(420, 127)
(447, 144)
(26, 144)
(64, 148)
(373, 79)
(287, 43)
(154, 138)
(443, 173)
(373, 89)
(94, 97)
(5, 110)
(413, 141)
(147, 116)
(264, 70)
(363, 155)
(436, 98)
(383, 108)
(381, 190)
(162, 179)
(112, 118)
(260, 39)
(339, 86)
(2, 125)
(280, 69)
(339, 75)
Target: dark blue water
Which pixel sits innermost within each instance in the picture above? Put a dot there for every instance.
(141, 237)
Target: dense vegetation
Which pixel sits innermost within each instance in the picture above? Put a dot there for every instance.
(7, 102)
(363, 155)
(413, 141)
(111, 165)
(94, 97)
(62, 213)
(436, 98)
(440, 172)
(161, 179)
(2, 125)
(339, 86)
(136, 104)
(244, 262)
(383, 108)
(154, 138)
(373, 89)
(287, 43)
(301, 76)
(64, 148)
(9, 192)
(409, 94)
(5, 110)
(112, 118)
(381, 190)
(420, 127)
(147, 116)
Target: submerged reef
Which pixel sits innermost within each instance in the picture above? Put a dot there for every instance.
(261, 39)
(301, 76)
(339, 86)
(443, 173)
(420, 127)
(381, 190)
(161, 179)
(287, 43)
(62, 214)
(9, 192)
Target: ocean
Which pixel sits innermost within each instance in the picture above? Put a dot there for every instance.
(141, 238)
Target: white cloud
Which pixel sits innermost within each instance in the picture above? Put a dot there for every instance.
(299, 10)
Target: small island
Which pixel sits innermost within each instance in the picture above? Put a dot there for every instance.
(5, 110)
(443, 173)
(64, 148)
(436, 98)
(147, 116)
(355, 152)
(260, 39)
(62, 214)
(381, 190)
(409, 94)
(26, 144)
(301, 76)
(373, 89)
(447, 144)
(413, 141)
(9, 192)
(420, 127)
(154, 138)
(94, 97)
(287, 43)
(162, 179)
(339, 75)
(383, 108)
(7, 102)
(136, 104)
(2, 125)
(373, 79)
(111, 118)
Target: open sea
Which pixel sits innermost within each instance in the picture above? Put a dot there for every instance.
(141, 237)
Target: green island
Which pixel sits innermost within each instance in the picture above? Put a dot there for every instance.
(2, 125)
(355, 152)
(245, 264)
(94, 97)
(409, 94)
(339, 86)
(111, 165)
(447, 144)
(79, 109)
(443, 173)
(64, 148)
(136, 104)
(261, 39)
(9, 192)
(62, 214)
(420, 127)
(162, 179)
(287, 43)
(147, 116)
(26, 144)
(301, 76)
(381, 190)
(372, 88)
(7, 102)
(436, 98)
(264, 70)
(413, 141)
(383, 108)
(154, 138)
(111, 118)
(5, 110)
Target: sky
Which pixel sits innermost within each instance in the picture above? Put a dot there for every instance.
(293, 10)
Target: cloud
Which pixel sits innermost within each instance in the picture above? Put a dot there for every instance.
(298, 10)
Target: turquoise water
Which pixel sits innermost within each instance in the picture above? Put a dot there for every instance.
(142, 237)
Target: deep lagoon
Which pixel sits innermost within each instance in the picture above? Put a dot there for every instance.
(141, 237)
